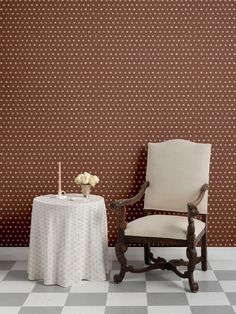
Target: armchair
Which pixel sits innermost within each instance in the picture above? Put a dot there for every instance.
(177, 173)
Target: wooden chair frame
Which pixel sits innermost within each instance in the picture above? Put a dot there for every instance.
(160, 263)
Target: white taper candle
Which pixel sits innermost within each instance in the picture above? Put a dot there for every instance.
(59, 178)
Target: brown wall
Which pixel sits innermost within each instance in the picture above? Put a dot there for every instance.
(90, 83)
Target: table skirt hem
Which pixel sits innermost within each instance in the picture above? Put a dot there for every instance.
(50, 282)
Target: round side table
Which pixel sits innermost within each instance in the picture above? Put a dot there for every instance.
(68, 239)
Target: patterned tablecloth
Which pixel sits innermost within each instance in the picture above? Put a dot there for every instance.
(68, 239)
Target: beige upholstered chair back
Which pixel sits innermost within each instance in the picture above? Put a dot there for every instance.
(176, 170)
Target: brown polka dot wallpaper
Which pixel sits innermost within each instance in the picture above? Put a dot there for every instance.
(91, 82)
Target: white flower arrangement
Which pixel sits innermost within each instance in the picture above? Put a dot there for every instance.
(86, 178)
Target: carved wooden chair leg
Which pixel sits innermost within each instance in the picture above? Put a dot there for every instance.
(120, 254)
(204, 252)
(147, 253)
(192, 257)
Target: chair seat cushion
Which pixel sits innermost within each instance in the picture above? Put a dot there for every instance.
(162, 226)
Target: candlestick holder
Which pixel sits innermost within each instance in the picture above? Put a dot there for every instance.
(61, 194)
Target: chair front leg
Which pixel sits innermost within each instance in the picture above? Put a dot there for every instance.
(192, 212)
(147, 246)
(147, 253)
(121, 247)
(204, 246)
(191, 249)
(192, 257)
(204, 252)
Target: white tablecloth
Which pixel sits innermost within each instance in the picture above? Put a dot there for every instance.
(68, 239)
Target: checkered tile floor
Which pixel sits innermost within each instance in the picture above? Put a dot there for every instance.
(156, 292)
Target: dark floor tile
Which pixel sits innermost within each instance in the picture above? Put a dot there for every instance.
(206, 286)
(212, 310)
(16, 275)
(225, 274)
(41, 310)
(231, 297)
(167, 298)
(85, 299)
(5, 265)
(40, 287)
(12, 299)
(126, 310)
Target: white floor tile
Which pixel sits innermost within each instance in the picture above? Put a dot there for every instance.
(83, 310)
(228, 285)
(3, 274)
(90, 286)
(129, 276)
(207, 298)
(20, 265)
(46, 299)
(126, 299)
(165, 286)
(169, 310)
(223, 265)
(16, 286)
(9, 309)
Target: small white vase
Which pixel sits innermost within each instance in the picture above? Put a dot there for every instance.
(86, 189)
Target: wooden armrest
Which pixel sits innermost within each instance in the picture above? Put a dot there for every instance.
(192, 207)
(117, 205)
